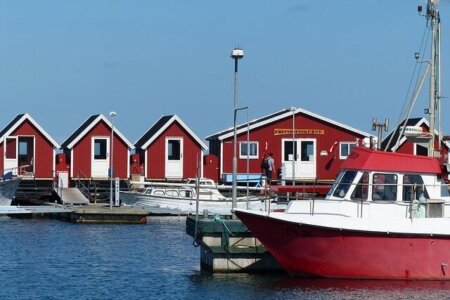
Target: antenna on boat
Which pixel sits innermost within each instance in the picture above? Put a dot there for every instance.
(380, 127)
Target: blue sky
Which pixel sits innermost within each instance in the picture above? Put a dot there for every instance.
(348, 60)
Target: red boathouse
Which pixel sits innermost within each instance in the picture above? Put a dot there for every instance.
(88, 150)
(306, 146)
(27, 149)
(416, 144)
(169, 150)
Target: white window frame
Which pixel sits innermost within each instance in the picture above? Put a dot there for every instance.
(424, 145)
(341, 156)
(256, 156)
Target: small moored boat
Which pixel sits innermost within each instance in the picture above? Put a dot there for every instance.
(182, 199)
(8, 188)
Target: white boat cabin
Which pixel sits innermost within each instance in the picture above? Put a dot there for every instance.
(376, 184)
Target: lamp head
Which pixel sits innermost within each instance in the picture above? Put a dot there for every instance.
(237, 53)
(113, 114)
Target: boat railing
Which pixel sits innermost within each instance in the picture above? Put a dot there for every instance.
(411, 199)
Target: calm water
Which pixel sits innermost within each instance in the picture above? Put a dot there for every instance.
(47, 259)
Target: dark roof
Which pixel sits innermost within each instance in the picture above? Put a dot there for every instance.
(11, 124)
(242, 126)
(396, 133)
(152, 131)
(80, 129)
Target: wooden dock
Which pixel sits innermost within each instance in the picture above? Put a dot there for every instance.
(101, 213)
(92, 213)
(227, 246)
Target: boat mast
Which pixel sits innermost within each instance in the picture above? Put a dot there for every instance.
(432, 14)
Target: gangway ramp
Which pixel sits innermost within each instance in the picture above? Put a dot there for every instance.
(71, 195)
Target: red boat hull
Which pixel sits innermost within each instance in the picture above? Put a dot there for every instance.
(333, 253)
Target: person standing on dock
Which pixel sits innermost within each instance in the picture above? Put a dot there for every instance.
(270, 167)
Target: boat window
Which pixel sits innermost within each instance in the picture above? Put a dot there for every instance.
(413, 188)
(344, 184)
(384, 187)
(148, 191)
(335, 183)
(172, 193)
(362, 188)
(186, 193)
(158, 192)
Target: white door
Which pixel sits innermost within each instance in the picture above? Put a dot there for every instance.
(299, 158)
(307, 159)
(100, 157)
(174, 157)
(10, 155)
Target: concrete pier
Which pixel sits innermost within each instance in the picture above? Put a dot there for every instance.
(226, 246)
(95, 213)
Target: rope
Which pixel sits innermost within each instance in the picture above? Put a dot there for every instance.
(218, 218)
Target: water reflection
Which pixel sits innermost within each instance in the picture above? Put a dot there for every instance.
(50, 259)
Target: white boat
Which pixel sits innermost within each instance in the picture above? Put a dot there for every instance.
(387, 216)
(181, 199)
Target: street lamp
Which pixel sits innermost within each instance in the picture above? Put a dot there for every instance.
(294, 154)
(111, 160)
(236, 54)
(248, 147)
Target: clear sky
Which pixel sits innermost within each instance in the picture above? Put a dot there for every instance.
(348, 60)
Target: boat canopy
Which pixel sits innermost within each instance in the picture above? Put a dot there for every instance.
(366, 159)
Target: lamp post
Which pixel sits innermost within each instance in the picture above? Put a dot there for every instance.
(111, 160)
(236, 54)
(294, 154)
(248, 147)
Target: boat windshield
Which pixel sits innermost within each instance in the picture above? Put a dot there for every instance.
(335, 183)
(344, 183)
(413, 188)
(361, 190)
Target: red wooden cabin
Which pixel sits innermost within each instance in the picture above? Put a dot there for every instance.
(169, 150)
(27, 149)
(88, 150)
(412, 145)
(306, 146)
(418, 145)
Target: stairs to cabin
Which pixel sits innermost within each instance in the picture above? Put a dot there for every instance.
(33, 191)
(98, 191)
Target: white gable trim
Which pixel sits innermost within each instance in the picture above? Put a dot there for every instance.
(20, 121)
(166, 125)
(92, 125)
(447, 144)
(229, 132)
